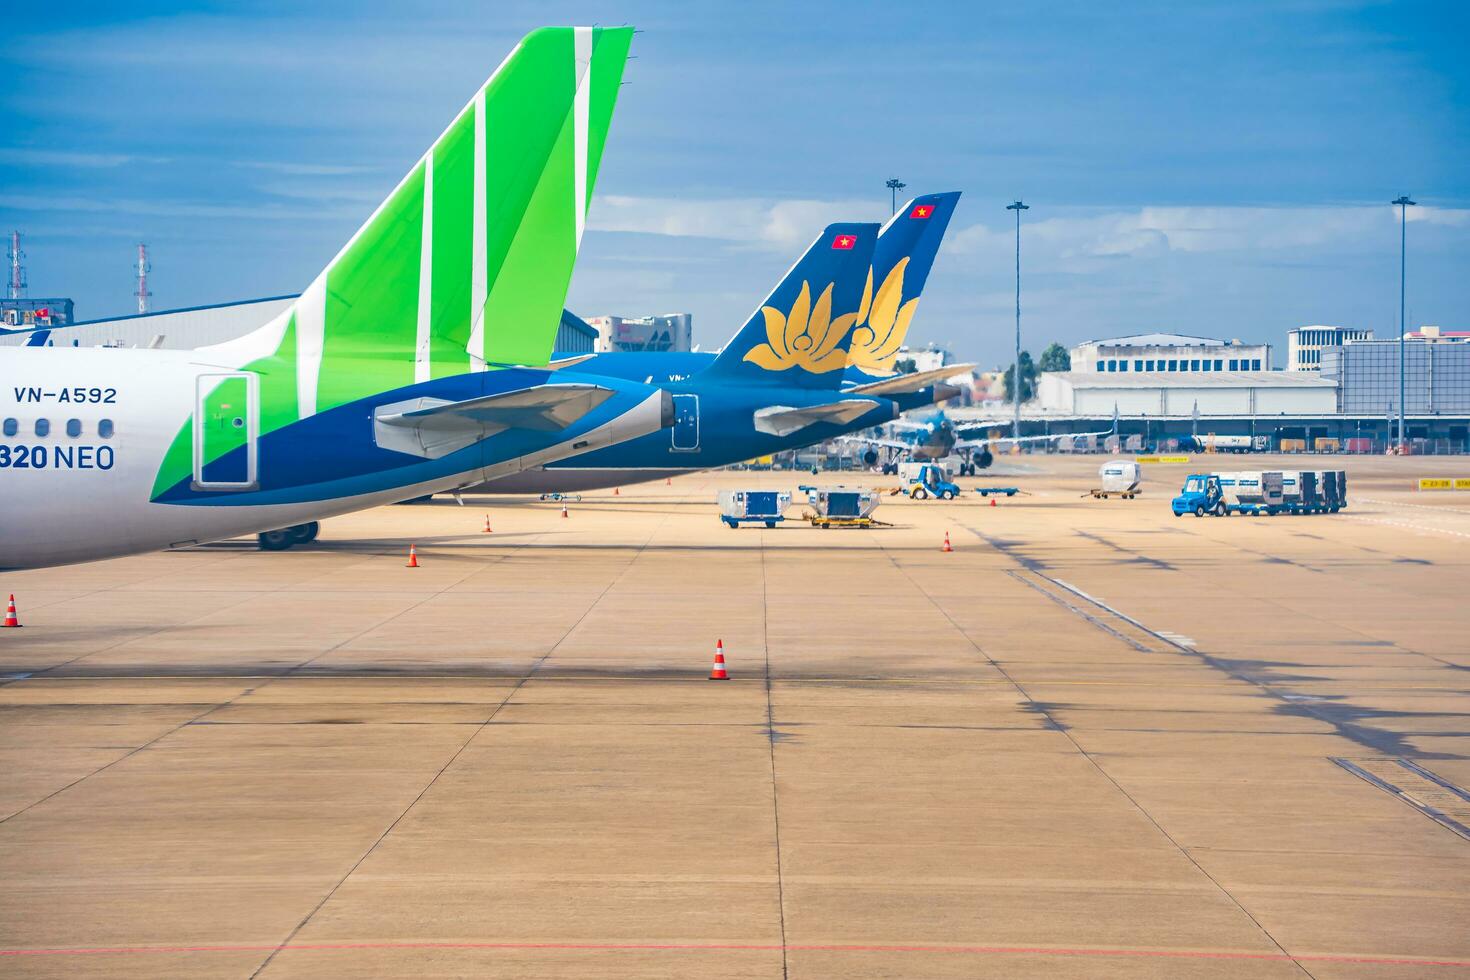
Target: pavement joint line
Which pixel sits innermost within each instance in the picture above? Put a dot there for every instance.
(771, 740)
(217, 706)
(1067, 733)
(971, 950)
(1189, 646)
(1361, 734)
(251, 597)
(509, 694)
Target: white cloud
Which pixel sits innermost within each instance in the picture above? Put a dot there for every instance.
(1077, 234)
(33, 157)
(757, 221)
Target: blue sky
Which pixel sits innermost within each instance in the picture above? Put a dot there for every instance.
(1218, 168)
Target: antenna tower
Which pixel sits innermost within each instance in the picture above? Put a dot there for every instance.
(17, 284)
(144, 267)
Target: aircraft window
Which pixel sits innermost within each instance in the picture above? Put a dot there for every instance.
(73, 427)
(11, 427)
(43, 427)
(104, 428)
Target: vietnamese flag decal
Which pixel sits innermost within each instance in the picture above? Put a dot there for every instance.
(844, 242)
(921, 211)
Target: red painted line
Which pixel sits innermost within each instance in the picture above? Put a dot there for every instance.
(753, 947)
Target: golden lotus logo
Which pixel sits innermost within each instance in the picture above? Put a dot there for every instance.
(884, 322)
(806, 337)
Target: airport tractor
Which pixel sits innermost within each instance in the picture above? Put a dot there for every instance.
(1201, 495)
(930, 480)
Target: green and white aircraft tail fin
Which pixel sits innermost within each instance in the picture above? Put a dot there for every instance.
(466, 264)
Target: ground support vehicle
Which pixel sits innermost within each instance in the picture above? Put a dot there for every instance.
(753, 507)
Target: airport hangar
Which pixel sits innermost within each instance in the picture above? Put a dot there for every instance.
(1353, 401)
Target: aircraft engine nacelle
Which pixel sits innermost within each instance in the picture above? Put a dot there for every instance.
(982, 458)
(870, 457)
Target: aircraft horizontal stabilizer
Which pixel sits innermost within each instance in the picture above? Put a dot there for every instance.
(433, 427)
(780, 420)
(901, 383)
(565, 362)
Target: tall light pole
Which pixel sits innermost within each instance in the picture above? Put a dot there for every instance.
(1404, 204)
(1017, 207)
(894, 185)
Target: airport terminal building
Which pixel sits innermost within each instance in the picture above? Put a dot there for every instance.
(1350, 404)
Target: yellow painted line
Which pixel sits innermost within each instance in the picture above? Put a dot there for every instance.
(1161, 459)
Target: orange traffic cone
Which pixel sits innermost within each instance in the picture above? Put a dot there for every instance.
(413, 557)
(10, 619)
(616, 491)
(947, 545)
(563, 510)
(992, 501)
(717, 672)
(487, 524)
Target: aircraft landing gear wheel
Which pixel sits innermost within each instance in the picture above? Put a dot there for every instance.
(1199, 510)
(278, 540)
(304, 533)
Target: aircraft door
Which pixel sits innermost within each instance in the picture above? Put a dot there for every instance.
(684, 436)
(226, 427)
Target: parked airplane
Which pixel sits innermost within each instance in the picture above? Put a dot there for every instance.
(797, 373)
(938, 437)
(393, 375)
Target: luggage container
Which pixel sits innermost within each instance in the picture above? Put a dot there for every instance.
(841, 506)
(1300, 492)
(1252, 492)
(1119, 478)
(1334, 490)
(766, 507)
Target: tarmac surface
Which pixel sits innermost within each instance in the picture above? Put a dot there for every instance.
(1094, 740)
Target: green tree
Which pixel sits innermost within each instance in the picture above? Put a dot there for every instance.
(1056, 358)
(1028, 378)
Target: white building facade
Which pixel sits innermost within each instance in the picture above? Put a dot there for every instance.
(664, 332)
(1167, 395)
(1304, 344)
(1160, 353)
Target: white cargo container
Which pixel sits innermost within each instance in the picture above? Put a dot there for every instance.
(1120, 476)
(839, 505)
(753, 506)
(1252, 491)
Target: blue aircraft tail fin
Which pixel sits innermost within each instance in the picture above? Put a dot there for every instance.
(799, 336)
(901, 262)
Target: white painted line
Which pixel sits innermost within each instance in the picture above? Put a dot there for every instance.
(1411, 527)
